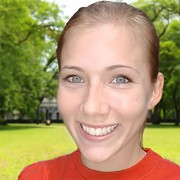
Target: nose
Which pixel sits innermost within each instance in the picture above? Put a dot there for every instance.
(94, 102)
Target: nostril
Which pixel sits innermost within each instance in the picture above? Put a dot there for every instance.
(94, 109)
(90, 108)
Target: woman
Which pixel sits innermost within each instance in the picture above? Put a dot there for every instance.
(109, 80)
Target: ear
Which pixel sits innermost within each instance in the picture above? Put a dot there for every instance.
(157, 91)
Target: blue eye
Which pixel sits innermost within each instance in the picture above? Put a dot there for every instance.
(120, 80)
(74, 79)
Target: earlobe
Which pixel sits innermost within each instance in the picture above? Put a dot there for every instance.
(157, 91)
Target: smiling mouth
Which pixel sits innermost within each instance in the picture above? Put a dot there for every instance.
(98, 131)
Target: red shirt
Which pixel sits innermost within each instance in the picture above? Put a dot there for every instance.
(151, 167)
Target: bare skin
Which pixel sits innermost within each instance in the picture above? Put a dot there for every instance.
(104, 95)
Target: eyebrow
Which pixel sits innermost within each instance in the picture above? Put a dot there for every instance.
(117, 66)
(109, 68)
(72, 67)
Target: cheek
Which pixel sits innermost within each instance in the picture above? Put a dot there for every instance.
(67, 101)
(130, 104)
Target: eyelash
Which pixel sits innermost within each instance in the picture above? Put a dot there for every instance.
(67, 78)
(126, 79)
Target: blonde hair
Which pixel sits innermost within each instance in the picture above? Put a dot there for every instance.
(122, 14)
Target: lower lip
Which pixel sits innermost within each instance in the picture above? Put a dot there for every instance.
(96, 138)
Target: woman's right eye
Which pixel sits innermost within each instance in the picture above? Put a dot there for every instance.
(74, 79)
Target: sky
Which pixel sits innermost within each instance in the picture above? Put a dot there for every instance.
(71, 6)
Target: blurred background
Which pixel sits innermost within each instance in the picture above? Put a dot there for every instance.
(29, 31)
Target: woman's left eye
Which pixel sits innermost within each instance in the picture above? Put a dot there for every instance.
(120, 80)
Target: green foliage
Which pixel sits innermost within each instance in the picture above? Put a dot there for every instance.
(165, 16)
(28, 36)
(29, 30)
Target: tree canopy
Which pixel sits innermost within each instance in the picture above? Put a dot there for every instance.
(165, 15)
(29, 30)
(28, 35)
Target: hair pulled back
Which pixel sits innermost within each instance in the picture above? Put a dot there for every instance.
(119, 14)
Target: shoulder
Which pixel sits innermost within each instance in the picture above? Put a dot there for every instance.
(33, 171)
(165, 168)
(169, 167)
(45, 169)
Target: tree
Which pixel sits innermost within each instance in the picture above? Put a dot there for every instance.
(28, 35)
(165, 16)
(170, 57)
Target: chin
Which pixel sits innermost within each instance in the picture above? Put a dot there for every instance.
(96, 155)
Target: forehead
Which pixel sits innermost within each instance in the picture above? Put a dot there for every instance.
(102, 43)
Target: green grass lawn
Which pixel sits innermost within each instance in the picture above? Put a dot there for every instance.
(165, 140)
(22, 144)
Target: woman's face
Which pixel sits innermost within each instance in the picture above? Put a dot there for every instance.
(104, 92)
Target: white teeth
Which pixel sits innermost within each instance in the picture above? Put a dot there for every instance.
(98, 131)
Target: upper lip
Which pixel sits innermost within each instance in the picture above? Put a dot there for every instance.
(98, 126)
